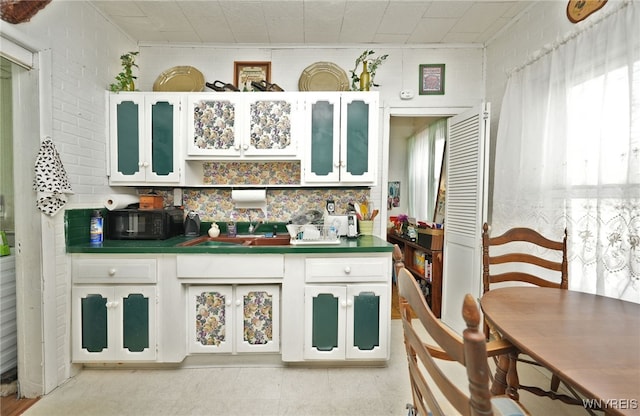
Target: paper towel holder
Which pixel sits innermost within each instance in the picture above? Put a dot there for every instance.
(250, 199)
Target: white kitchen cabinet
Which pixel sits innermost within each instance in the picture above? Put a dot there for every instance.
(233, 318)
(114, 309)
(341, 137)
(347, 308)
(252, 126)
(346, 322)
(113, 323)
(145, 137)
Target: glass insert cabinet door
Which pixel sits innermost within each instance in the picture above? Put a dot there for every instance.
(114, 323)
(346, 322)
(144, 132)
(343, 137)
(226, 319)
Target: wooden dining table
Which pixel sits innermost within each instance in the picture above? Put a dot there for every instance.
(592, 342)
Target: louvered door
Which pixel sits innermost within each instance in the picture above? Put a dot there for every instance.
(465, 210)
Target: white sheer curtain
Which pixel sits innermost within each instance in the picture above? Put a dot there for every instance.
(568, 153)
(424, 161)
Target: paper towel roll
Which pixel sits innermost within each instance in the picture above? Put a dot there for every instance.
(250, 198)
(120, 201)
(249, 195)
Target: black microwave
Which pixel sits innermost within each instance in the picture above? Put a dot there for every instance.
(139, 224)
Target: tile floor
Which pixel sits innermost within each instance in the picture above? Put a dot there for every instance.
(258, 391)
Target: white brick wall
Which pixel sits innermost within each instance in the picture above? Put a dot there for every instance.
(85, 50)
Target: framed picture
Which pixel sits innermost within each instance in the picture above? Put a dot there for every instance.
(431, 79)
(393, 198)
(245, 72)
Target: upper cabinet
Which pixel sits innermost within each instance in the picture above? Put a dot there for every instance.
(243, 125)
(167, 138)
(341, 134)
(144, 138)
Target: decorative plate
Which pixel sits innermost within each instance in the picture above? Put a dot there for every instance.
(323, 76)
(180, 78)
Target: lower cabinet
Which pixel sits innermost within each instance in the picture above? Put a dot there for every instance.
(114, 323)
(233, 318)
(346, 321)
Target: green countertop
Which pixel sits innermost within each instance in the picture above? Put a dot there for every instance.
(362, 244)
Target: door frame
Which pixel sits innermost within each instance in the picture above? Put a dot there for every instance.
(35, 240)
(399, 111)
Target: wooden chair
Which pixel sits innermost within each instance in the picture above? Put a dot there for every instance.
(523, 252)
(471, 351)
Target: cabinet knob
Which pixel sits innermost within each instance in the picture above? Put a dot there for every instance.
(245, 147)
(228, 302)
(349, 303)
(112, 272)
(238, 302)
(343, 304)
(145, 164)
(347, 269)
(237, 147)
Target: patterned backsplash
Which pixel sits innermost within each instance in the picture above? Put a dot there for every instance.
(215, 204)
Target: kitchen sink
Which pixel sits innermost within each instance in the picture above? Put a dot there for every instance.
(241, 240)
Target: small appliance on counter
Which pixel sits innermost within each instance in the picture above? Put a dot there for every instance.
(144, 224)
(192, 224)
(346, 225)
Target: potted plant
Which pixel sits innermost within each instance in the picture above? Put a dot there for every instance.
(125, 79)
(373, 66)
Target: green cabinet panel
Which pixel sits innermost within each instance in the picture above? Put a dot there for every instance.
(162, 138)
(325, 322)
(357, 138)
(366, 317)
(94, 322)
(322, 140)
(135, 322)
(128, 137)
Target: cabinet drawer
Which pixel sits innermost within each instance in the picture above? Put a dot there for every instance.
(113, 270)
(348, 269)
(230, 266)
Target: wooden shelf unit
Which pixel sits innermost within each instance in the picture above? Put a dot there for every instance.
(433, 256)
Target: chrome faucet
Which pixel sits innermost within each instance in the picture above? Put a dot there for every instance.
(254, 228)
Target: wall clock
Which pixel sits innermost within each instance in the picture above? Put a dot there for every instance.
(578, 10)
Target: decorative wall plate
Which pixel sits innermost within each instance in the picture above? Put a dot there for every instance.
(578, 10)
(323, 76)
(180, 78)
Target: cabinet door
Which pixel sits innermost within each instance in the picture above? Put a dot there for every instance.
(136, 322)
(368, 314)
(359, 140)
(210, 319)
(114, 323)
(272, 125)
(322, 133)
(162, 152)
(126, 133)
(213, 125)
(257, 314)
(325, 322)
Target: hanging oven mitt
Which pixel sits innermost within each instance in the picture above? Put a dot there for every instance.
(50, 182)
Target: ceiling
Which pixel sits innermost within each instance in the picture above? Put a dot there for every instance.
(311, 21)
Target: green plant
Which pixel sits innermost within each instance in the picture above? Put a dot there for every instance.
(373, 66)
(125, 79)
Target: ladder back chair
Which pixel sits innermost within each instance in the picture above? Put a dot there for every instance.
(471, 350)
(520, 253)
